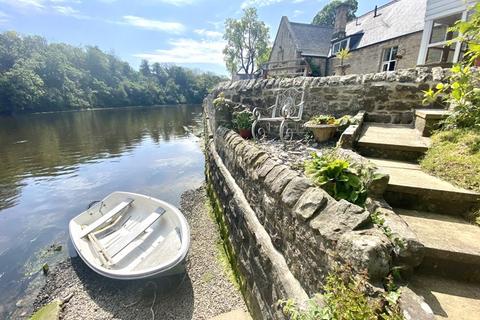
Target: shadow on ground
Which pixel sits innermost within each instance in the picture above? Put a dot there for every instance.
(171, 297)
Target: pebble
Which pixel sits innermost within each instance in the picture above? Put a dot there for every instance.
(204, 292)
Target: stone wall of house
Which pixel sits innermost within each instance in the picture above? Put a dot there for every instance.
(369, 59)
(284, 48)
(389, 97)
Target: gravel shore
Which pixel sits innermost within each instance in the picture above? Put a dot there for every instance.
(204, 292)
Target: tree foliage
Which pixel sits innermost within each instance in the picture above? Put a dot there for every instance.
(38, 76)
(326, 16)
(247, 42)
(462, 91)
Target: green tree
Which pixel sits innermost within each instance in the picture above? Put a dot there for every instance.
(37, 76)
(145, 68)
(247, 42)
(264, 57)
(20, 88)
(326, 16)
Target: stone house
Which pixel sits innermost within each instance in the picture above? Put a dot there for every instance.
(398, 35)
(297, 41)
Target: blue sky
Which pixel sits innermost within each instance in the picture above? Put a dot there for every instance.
(185, 32)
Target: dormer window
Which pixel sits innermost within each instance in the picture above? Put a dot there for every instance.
(339, 45)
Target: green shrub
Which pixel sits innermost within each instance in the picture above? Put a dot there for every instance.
(323, 119)
(345, 299)
(462, 91)
(220, 100)
(243, 120)
(337, 177)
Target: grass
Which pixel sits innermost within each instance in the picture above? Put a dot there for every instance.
(455, 157)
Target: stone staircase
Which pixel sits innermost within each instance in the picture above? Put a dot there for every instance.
(449, 276)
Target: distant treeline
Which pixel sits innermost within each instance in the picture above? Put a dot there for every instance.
(38, 76)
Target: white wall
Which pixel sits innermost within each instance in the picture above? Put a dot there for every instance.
(437, 8)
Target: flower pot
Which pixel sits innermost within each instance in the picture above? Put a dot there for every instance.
(322, 132)
(245, 133)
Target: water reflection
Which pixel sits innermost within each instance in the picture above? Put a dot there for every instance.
(52, 165)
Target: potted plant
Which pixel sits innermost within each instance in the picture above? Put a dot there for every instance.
(243, 122)
(343, 55)
(323, 127)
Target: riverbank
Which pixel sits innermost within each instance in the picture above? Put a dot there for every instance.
(204, 292)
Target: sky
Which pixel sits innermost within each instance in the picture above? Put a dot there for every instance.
(184, 32)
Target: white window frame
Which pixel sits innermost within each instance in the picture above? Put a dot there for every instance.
(332, 50)
(390, 60)
(427, 34)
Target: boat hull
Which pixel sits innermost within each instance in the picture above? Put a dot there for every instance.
(160, 250)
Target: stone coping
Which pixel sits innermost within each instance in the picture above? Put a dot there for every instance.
(432, 114)
(415, 75)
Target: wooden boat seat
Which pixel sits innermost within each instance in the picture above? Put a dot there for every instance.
(136, 231)
(106, 217)
(107, 254)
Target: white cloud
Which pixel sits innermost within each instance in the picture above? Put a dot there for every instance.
(178, 3)
(258, 3)
(4, 17)
(188, 51)
(25, 4)
(45, 6)
(297, 13)
(157, 25)
(263, 3)
(69, 12)
(209, 33)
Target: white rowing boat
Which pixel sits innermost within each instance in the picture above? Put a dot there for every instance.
(131, 236)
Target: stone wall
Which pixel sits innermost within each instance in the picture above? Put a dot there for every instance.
(390, 97)
(260, 270)
(313, 231)
(368, 59)
(287, 234)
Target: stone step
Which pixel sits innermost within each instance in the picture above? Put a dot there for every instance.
(452, 246)
(391, 141)
(448, 299)
(411, 188)
(238, 314)
(428, 120)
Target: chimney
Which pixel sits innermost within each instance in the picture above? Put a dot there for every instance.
(341, 13)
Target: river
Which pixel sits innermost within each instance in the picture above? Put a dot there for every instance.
(53, 165)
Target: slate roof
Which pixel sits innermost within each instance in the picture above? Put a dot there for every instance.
(310, 39)
(394, 19)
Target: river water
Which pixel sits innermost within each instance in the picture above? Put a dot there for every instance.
(53, 165)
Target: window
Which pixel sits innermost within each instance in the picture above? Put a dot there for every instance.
(435, 48)
(389, 59)
(343, 44)
(438, 51)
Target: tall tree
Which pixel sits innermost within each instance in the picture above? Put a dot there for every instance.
(145, 68)
(37, 76)
(326, 16)
(247, 42)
